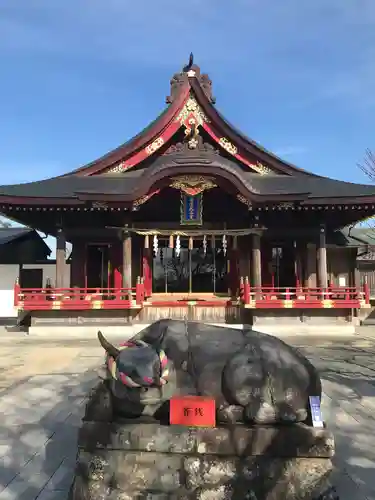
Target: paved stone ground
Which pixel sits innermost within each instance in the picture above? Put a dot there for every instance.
(42, 390)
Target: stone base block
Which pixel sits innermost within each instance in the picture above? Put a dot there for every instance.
(129, 460)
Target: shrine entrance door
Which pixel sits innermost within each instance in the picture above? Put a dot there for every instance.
(189, 270)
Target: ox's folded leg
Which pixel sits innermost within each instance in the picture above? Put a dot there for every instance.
(245, 384)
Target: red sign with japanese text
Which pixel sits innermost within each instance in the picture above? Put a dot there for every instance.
(192, 411)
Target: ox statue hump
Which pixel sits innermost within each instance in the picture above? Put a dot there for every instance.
(253, 377)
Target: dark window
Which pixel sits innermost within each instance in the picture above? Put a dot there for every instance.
(31, 278)
(97, 266)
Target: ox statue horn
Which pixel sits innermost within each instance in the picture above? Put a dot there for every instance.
(107, 346)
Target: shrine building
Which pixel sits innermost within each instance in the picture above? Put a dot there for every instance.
(191, 218)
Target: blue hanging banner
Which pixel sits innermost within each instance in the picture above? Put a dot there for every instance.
(191, 209)
(316, 413)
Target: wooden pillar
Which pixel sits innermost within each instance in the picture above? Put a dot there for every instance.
(298, 262)
(356, 274)
(234, 278)
(322, 259)
(77, 266)
(147, 270)
(256, 261)
(116, 265)
(310, 266)
(126, 260)
(244, 256)
(60, 258)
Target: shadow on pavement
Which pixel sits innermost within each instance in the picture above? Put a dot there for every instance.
(349, 407)
(41, 415)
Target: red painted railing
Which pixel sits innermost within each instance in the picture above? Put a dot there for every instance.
(79, 298)
(250, 297)
(302, 297)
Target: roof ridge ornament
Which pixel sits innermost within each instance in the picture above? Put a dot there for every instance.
(189, 65)
(190, 70)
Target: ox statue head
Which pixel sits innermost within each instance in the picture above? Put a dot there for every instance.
(135, 363)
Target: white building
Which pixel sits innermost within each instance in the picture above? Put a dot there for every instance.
(23, 256)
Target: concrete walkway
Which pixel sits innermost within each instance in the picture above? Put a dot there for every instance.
(43, 386)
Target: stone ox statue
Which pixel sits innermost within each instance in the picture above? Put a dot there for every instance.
(254, 377)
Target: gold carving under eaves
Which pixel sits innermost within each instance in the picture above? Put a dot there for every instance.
(120, 167)
(154, 146)
(261, 169)
(99, 205)
(285, 205)
(192, 133)
(140, 201)
(193, 185)
(191, 107)
(228, 146)
(244, 200)
(191, 117)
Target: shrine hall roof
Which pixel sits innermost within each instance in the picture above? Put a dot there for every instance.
(133, 184)
(144, 161)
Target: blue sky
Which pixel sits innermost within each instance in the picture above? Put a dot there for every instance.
(80, 77)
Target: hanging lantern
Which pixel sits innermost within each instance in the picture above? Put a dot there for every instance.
(213, 242)
(190, 243)
(225, 244)
(171, 241)
(147, 241)
(204, 244)
(155, 245)
(178, 246)
(235, 243)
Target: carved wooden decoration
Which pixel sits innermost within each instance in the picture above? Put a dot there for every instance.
(261, 169)
(180, 79)
(184, 148)
(191, 117)
(154, 146)
(244, 200)
(192, 185)
(120, 167)
(191, 109)
(140, 201)
(228, 146)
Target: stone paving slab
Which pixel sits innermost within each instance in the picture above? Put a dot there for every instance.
(43, 386)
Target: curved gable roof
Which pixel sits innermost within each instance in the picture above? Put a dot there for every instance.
(188, 83)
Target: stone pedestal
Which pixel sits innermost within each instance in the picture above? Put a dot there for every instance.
(138, 459)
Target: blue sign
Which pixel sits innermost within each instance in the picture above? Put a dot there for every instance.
(191, 209)
(316, 413)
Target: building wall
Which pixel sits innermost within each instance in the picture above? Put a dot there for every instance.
(340, 265)
(366, 270)
(8, 276)
(49, 271)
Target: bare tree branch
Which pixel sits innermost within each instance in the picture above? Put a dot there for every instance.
(368, 165)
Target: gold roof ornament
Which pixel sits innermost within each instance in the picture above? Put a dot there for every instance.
(193, 185)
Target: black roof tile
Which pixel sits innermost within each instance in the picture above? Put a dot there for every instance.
(8, 234)
(126, 183)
